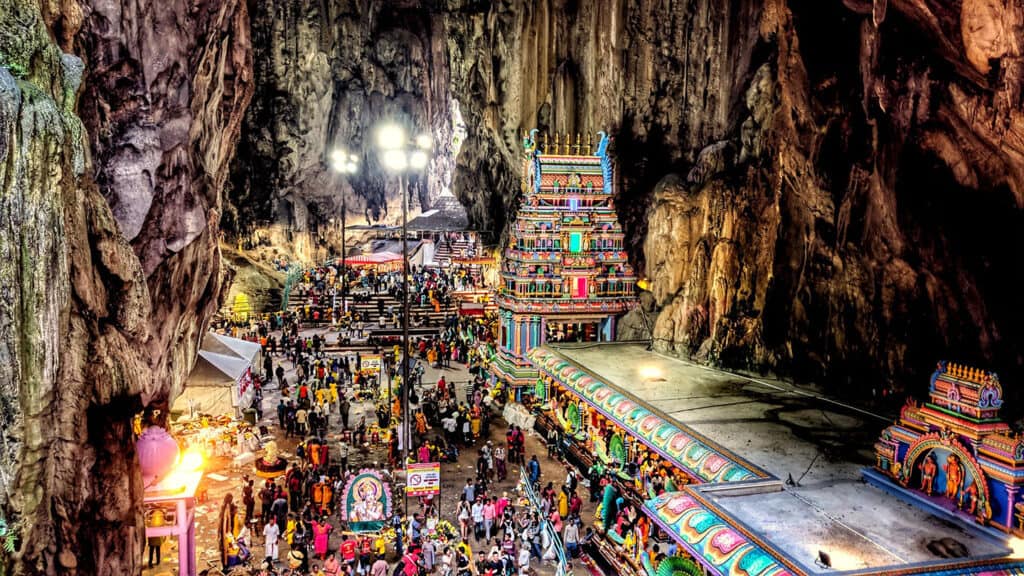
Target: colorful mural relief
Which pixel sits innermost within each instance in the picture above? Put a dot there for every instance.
(955, 450)
(713, 541)
(700, 458)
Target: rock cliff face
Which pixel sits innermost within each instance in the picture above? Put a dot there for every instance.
(829, 190)
(854, 226)
(328, 74)
(111, 169)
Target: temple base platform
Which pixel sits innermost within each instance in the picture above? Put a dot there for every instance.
(936, 505)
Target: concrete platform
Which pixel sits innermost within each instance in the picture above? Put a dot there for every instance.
(793, 433)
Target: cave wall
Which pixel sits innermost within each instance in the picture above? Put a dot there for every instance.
(118, 121)
(328, 74)
(828, 190)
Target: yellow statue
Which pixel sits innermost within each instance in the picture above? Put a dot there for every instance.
(954, 475)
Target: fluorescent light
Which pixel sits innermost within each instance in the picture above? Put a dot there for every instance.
(395, 160)
(418, 159)
(423, 141)
(390, 137)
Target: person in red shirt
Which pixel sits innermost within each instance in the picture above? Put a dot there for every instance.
(348, 552)
(365, 553)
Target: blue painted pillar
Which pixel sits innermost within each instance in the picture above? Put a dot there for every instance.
(524, 337)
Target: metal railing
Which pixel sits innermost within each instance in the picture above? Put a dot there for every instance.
(295, 272)
(562, 565)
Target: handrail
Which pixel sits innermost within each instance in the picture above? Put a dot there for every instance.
(294, 274)
(562, 568)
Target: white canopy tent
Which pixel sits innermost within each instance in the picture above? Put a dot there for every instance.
(218, 384)
(244, 349)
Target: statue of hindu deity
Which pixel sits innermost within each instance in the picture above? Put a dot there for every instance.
(954, 476)
(928, 469)
(969, 499)
(271, 464)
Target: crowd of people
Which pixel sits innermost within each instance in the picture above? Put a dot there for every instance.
(337, 411)
(322, 288)
(318, 390)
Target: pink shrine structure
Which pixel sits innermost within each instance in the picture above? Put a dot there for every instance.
(954, 454)
(565, 276)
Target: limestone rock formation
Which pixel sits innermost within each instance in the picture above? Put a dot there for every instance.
(328, 73)
(828, 190)
(124, 136)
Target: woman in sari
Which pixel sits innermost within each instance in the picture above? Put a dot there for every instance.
(321, 534)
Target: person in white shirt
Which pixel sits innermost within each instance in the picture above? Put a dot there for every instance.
(524, 560)
(478, 518)
(571, 537)
(271, 532)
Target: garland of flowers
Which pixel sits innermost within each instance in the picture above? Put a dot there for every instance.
(445, 531)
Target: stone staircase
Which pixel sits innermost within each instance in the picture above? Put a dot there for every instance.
(447, 249)
(368, 307)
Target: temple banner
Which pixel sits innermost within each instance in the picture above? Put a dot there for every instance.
(367, 502)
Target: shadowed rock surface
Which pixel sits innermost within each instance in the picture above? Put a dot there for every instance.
(109, 261)
(827, 190)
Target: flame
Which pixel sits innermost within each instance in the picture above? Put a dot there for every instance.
(192, 460)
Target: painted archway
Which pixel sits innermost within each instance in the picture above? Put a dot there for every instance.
(943, 448)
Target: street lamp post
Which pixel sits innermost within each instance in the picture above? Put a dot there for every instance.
(344, 163)
(401, 155)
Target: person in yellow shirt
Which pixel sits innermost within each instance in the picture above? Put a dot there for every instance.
(466, 550)
(289, 531)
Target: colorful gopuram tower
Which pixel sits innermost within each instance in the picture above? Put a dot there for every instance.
(565, 276)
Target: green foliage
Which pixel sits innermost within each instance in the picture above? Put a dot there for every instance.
(17, 70)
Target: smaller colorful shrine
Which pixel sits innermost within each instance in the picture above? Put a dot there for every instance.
(565, 276)
(955, 453)
(720, 514)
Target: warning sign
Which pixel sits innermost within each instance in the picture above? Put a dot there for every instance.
(423, 479)
(371, 363)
